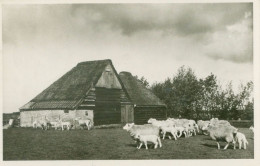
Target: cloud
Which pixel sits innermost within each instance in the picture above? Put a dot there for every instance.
(235, 43)
(179, 19)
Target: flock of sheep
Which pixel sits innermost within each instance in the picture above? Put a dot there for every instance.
(218, 130)
(46, 124)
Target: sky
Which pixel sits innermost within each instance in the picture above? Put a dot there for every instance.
(42, 42)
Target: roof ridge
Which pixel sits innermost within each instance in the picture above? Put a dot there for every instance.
(85, 62)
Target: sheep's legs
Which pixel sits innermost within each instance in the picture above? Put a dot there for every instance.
(226, 146)
(174, 135)
(164, 135)
(140, 145)
(234, 145)
(185, 133)
(146, 145)
(179, 135)
(240, 145)
(156, 145)
(218, 145)
(159, 140)
(244, 145)
(195, 132)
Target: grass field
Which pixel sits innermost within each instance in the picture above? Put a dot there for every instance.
(113, 143)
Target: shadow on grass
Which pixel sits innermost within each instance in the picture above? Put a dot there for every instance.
(216, 146)
(208, 138)
(210, 145)
(132, 145)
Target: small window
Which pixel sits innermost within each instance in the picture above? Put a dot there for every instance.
(108, 69)
(86, 113)
(66, 111)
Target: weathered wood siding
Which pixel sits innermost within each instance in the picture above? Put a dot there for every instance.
(107, 106)
(142, 114)
(27, 117)
(127, 113)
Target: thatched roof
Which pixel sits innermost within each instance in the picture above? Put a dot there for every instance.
(138, 93)
(67, 92)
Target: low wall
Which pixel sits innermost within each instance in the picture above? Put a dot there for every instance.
(28, 117)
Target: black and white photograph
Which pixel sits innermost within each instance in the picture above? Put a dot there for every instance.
(128, 81)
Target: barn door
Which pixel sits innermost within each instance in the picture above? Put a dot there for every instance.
(127, 114)
(107, 107)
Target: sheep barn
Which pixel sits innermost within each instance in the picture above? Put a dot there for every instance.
(94, 90)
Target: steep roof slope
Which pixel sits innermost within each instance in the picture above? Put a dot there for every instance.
(138, 93)
(67, 91)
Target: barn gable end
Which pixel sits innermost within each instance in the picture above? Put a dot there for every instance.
(92, 88)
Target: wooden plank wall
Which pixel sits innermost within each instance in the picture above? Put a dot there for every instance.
(107, 106)
(142, 114)
(127, 113)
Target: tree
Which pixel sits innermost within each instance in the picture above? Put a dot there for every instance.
(185, 92)
(209, 93)
(187, 96)
(143, 81)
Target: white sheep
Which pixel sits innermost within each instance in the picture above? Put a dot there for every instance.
(251, 128)
(241, 139)
(61, 124)
(222, 133)
(159, 123)
(181, 131)
(84, 122)
(144, 139)
(216, 121)
(146, 129)
(169, 129)
(201, 125)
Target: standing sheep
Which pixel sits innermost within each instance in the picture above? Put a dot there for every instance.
(241, 139)
(143, 139)
(202, 124)
(222, 133)
(169, 129)
(147, 129)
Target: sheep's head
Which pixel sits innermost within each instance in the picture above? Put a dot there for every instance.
(137, 136)
(206, 126)
(151, 120)
(128, 126)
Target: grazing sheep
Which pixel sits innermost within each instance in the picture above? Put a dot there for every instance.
(43, 123)
(6, 126)
(202, 124)
(54, 124)
(36, 124)
(181, 131)
(222, 133)
(169, 129)
(62, 124)
(191, 130)
(241, 139)
(159, 123)
(215, 121)
(251, 128)
(143, 139)
(84, 122)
